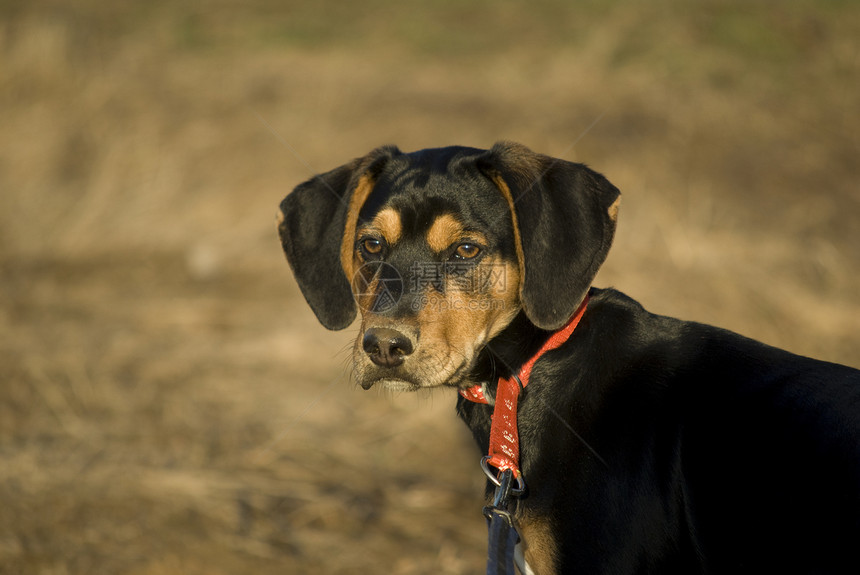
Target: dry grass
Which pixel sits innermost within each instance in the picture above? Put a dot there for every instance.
(168, 404)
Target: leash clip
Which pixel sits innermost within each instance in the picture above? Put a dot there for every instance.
(502, 497)
(504, 539)
(503, 482)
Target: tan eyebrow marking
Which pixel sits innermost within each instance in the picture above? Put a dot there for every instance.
(389, 224)
(446, 229)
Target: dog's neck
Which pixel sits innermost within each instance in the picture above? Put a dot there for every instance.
(505, 354)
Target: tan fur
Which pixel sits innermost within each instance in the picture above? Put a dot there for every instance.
(454, 325)
(444, 231)
(506, 192)
(359, 196)
(613, 209)
(364, 293)
(541, 551)
(388, 223)
(447, 230)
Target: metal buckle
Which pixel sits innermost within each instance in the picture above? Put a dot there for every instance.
(502, 497)
(494, 478)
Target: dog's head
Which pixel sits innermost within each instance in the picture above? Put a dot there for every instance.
(440, 249)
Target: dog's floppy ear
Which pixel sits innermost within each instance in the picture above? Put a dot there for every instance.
(316, 225)
(563, 218)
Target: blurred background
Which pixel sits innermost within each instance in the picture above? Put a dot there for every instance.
(169, 404)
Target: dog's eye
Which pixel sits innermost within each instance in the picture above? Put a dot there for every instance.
(466, 251)
(371, 248)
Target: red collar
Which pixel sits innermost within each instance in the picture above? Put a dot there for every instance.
(504, 450)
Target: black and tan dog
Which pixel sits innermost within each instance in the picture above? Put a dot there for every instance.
(649, 444)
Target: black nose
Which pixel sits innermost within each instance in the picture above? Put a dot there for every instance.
(386, 347)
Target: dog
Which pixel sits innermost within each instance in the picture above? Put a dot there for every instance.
(648, 444)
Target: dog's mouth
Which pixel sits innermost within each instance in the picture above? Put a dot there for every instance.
(405, 379)
(391, 384)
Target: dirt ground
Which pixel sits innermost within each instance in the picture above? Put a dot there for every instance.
(169, 404)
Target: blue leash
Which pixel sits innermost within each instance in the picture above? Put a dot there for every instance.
(503, 533)
(503, 541)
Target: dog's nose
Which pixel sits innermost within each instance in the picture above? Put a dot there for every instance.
(386, 347)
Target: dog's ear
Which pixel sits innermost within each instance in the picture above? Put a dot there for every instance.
(317, 223)
(563, 219)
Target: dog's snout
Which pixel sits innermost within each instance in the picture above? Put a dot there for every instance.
(386, 347)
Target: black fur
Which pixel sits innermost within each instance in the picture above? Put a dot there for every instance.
(650, 444)
(715, 453)
(311, 232)
(562, 214)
